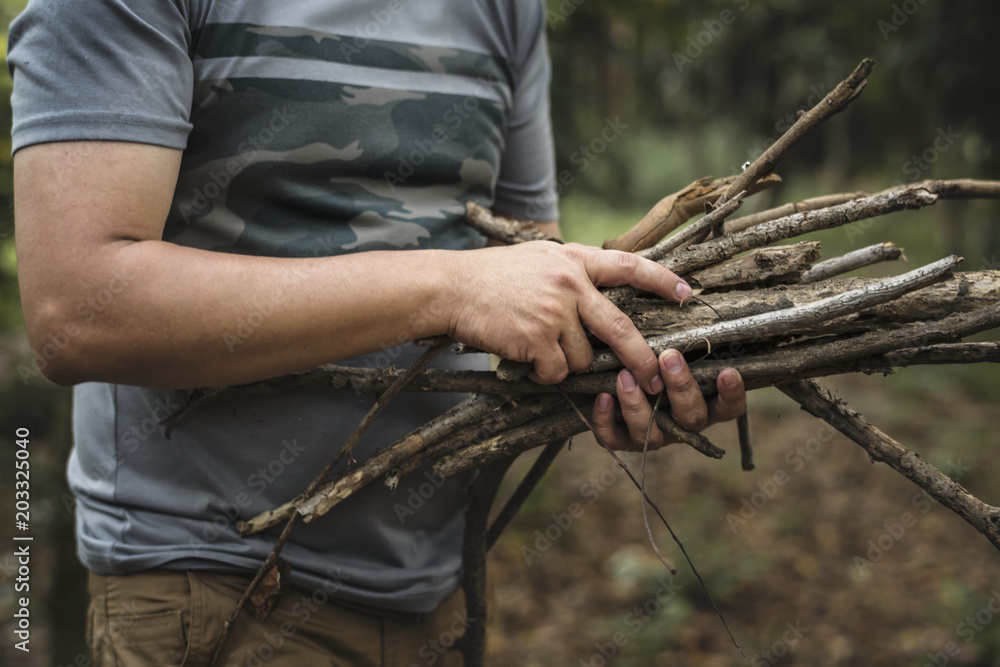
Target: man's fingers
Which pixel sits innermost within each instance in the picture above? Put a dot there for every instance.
(615, 328)
(731, 400)
(576, 347)
(550, 367)
(637, 412)
(613, 267)
(686, 401)
(602, 418)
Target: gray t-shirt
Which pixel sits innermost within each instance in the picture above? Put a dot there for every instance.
(309, 129)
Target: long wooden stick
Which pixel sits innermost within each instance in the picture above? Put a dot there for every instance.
(747, 221)
(820, 403)
(916, 344)
(960, 188)
(710, 252)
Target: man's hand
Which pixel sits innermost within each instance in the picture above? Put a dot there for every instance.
(532, 303)
(687, 404)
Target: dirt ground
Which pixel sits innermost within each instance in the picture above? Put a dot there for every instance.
(817, 557)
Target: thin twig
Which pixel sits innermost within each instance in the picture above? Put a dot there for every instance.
(656, 509)
(347, 451)
(856, 259)
(269, 562)
(835, 101)
(642, 486)
(695, 441)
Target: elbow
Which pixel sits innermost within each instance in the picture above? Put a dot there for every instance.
(59, 339)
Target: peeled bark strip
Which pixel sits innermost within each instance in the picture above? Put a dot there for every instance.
(765, 266)
(820, 403)
(674, 210)
(785, 321)
(856, 259)
(697, 231)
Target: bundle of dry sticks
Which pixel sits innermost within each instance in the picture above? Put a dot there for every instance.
(775, 313)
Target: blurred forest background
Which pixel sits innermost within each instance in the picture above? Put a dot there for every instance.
(698, 88)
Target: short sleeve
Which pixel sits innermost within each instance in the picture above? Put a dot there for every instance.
(526, 185)
(101, 70)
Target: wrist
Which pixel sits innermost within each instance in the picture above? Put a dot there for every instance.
(449, 272)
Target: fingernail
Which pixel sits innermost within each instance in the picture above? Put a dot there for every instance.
(628, 381)
(730, 380)
(683, 290)
(604, 402)
(656, 385)
(673, 361)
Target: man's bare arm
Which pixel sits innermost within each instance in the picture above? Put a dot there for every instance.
(84, 225)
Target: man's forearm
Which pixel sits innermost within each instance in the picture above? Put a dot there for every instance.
(179, 317)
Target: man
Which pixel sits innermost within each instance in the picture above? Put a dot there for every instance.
(213, 193)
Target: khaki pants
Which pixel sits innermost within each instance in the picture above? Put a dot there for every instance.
(172, 618)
